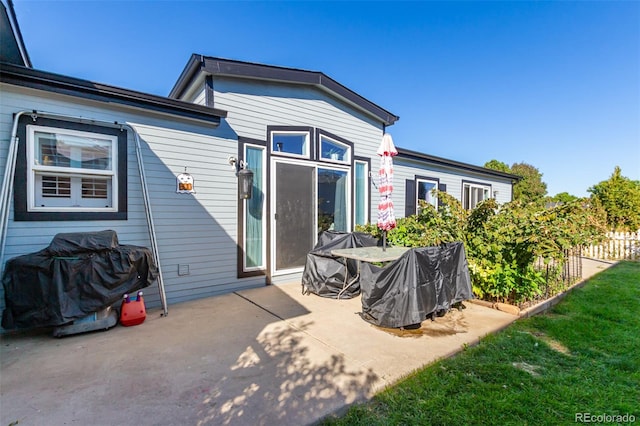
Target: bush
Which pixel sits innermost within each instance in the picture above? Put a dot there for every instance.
(504, 242)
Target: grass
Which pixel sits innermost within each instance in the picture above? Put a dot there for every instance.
(581, 357)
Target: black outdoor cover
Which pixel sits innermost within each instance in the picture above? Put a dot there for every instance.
(324, 274)
(423, 281)
(76, 275)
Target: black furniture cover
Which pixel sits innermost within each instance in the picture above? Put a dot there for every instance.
(422, 282)
(76, 275)
(324, 274)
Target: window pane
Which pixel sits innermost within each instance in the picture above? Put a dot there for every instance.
(361, 193)
(424, 192)
(332, 200)
(48, 155)
(56, 186)
(465, 197)
(332, 150)
(254, 211)
(95, 188)
(64, 150)
(473, 195)
(291, 143)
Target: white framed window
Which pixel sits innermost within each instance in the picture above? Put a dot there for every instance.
(70, 170)
(333, 150)
(424, 192)
(474, 193)
(361, 189)
(255, 227)
(333, 199)
(291, 143)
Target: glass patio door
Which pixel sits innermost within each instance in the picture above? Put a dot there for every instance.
(294, 215)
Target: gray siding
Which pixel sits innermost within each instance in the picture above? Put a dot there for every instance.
(198, 230)
(452, 177)
(252, 106)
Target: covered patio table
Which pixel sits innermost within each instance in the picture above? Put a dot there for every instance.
(367, 254)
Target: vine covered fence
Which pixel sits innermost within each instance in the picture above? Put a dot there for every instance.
(559, 275)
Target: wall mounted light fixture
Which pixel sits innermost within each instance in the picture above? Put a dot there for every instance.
(245, 177)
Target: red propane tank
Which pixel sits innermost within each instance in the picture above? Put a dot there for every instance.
(132, 312)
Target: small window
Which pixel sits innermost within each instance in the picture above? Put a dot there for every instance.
(473, 194)
(424, 192)
(333, 150)
(291, 143)
(70, 171)
(254, 252)
(361, 188)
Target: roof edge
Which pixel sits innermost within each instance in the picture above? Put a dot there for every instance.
(32, 78)
(250, 70)
(186, 76)
(402, 152)
(17, 34)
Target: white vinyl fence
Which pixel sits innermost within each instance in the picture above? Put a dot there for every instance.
(617, 246)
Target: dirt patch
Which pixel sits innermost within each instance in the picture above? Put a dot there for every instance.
(452, 323)
(552, 343)
(531, 369)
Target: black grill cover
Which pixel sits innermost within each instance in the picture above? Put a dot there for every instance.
(421, 282)
(76, 275)
(324, 273)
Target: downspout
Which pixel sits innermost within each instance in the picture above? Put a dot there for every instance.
(7, 188)
(150, 225)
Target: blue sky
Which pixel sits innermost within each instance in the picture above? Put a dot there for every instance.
(552, 84)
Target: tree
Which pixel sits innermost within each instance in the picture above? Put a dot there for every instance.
(563, 197)
(530, 187)
(620, 198)
(497, 165)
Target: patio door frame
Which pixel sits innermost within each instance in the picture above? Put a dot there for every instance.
(274, 196)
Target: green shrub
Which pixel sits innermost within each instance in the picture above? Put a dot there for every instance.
(503, 242)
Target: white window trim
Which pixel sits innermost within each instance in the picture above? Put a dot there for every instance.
(33, 169)
(348, 194)
(366, 206)
(347, 148)
(272, 222)
(263, 266)
(306, 145)
(486, 190)
(434, 182)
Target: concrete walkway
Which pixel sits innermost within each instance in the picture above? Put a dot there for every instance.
(258, 357)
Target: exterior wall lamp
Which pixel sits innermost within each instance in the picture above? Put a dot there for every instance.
(245, 177)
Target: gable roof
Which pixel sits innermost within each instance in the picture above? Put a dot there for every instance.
(249, 70)
(42, 80)
(12, 48)
(432, 159)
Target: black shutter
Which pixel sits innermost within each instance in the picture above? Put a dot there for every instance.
(409, 197)
(442, 187)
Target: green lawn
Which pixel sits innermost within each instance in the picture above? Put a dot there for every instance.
(581, 357)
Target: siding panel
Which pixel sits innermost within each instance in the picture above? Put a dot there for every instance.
(198, 230)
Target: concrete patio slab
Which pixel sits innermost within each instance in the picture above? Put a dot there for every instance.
(258, 357)
(390, 353)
